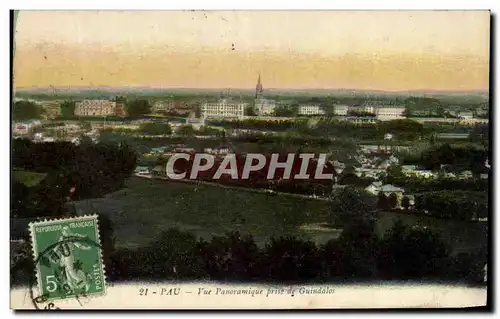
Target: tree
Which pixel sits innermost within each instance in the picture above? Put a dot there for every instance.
(392, 201)
(351, 206)
(155, 128)
(120, 99)
(197, 111)
(283, 111)
(172, 254)
(405, 202)
(19, 197)
(137, 108)
(84, 139)
(353, 210)
(67, 109)
(382, 201)
(327, 107)
(394, 172)
(404, 129)
(250, 111)
(288, 258)
(186, 130)
(410, 254)
(25, 110)
(230, 257)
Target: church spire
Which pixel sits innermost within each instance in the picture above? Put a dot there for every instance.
(258, 88)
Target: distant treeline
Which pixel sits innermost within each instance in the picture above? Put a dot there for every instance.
(401, 129)
(313, 96)
(458, 157)
(457, 205)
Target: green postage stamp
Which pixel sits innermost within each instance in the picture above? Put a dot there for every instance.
(68, 257)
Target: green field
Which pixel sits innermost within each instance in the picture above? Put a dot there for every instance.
(29, 179)
(146, 207)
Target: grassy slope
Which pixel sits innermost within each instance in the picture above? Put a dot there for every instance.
(146, 207)
(29, 179)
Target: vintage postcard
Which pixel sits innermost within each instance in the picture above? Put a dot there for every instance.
(250, 159)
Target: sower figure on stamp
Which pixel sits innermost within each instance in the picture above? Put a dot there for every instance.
(63, 255)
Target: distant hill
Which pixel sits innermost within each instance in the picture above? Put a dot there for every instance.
(149, 91)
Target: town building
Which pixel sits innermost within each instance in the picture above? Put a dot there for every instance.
(310, 109)
(95, 108)
(388, 113)
(120, 110)
(221, 150)
(265, 106)
(466, 115)
(50, 109)
(172, 106)
(19, 128)
(377, 188)
(224, 108)
(392, 160)
(374, 188)
(465, 175)
(161, 106)
(361, 120)
(196, 123)
(340, 110)
(365, 108)
(415, 171)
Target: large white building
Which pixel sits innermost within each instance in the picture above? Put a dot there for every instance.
(95, 108)
(340, 110)
(310, 109)
(223, 108)
(387, 113)
(265, 106)
(365, 108)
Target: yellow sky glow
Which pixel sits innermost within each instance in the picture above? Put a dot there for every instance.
(398, 50)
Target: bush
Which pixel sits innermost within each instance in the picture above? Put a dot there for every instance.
(410, 253)
(403, 254)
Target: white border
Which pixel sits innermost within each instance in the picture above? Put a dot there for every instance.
(254, 5)
(191, 4)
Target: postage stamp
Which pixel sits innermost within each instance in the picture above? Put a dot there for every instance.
(68, 257)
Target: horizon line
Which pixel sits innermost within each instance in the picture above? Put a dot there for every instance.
(156, 88)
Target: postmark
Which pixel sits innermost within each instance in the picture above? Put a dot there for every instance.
(68, 258)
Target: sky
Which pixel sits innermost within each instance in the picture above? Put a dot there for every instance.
(370, 50)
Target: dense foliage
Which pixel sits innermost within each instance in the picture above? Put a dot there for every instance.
(152, 128)
(94, 170)
(68, 109)
(402, 254)
(25, 110)
(459, 205)
(186, 130)
(137, 108)
(401, 129)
